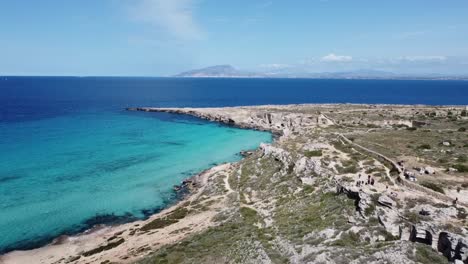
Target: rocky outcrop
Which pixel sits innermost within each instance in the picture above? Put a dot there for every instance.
(454, 247)
(421, 234)
(362, 199)
(277, 153)
(307, 167)
(386, 201)
(389, 218)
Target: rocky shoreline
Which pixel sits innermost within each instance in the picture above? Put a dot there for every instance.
(308, 197)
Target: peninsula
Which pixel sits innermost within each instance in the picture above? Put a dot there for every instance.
(342, 183)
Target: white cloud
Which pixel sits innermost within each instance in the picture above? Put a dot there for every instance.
(336, 58)
(275, 66)
(423, 58)
(175, 17)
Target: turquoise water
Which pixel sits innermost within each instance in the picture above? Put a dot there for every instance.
(62, 174)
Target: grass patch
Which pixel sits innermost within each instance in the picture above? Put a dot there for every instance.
(105, 247)
(313, 153)
(424, 146)
(433, 187)
(170, 219)
(425, 254)
(349, 239)
(460, 167)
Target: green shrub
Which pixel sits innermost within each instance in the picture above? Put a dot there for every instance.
(462, 158)
(425, 254)
(170, 219)
(349, 239)
(433, 186)
(460, 167)
(412, 217)
(424, 146)
(313, 153)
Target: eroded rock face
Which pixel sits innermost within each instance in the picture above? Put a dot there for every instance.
(454, 247)
(308, 167)
(277, 153)
(421, 234)
(363, 199)
(386, 201)
(388, 218)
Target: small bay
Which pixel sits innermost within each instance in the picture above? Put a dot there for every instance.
(63, 174)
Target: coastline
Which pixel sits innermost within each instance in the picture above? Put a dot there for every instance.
(69, 248)
(127, 243)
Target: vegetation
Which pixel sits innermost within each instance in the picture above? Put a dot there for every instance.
(426, 255)
(424, 146)
(349, 239)
(170, 219)
(105, 247)
(433, 186)
(460, 167)
(313, 153)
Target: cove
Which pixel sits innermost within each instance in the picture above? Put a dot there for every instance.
(64, 174)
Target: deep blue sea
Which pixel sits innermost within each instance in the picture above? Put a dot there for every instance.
(72, 157)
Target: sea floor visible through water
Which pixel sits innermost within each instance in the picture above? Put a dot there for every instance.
(63, 175)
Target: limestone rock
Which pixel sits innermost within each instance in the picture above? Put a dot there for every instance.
(277, 153)
(389, 219)
(306, 167)
(454, 247)
(386, 201)
(421, 234)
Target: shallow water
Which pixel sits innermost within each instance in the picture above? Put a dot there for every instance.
(63, 174)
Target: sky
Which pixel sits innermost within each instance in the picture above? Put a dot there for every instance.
(165, 37)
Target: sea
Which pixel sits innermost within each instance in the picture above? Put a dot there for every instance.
(72, 157)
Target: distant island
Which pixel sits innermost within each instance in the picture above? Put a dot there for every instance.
(228, 71)
(218, 71)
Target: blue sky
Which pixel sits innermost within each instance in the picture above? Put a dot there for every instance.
(164, 37)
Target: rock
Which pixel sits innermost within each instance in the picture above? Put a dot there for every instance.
(386, 201)
(246, 153)
(306, 166)
(277, 153)
(363, 199)
(429, 170)
(364, 203)
(446, 143)
(389, 219)
(421, 234)
(454, 247)
(453, 170)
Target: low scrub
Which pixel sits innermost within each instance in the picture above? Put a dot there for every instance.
(460, 167)
(433, 186)
(170, 219)
(313, 153)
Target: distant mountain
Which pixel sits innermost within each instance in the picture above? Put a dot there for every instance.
(218, 71)
(227, 71)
